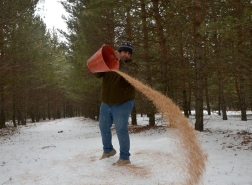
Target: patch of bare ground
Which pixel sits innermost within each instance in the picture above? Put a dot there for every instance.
(8, 131)
(138, 129)
(130, 170)
(239, 141)
(142, 170)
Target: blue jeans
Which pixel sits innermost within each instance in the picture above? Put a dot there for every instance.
(119, 115)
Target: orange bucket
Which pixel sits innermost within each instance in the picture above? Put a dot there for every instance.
(103, 60)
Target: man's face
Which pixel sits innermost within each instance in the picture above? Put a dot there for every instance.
(124, 55)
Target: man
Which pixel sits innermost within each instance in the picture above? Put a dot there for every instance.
(118, 98)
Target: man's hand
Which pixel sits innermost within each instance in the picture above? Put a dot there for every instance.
(117, 54)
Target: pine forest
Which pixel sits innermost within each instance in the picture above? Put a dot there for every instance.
(196, 52)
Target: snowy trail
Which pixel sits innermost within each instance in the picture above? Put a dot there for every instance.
(38, 154)
(41, 155)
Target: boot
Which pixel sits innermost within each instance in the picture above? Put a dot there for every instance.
(121, 162)
(104, 155)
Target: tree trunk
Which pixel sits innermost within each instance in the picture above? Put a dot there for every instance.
(58, 114)
(198, 19)
(163, 47)
(250, 71)
(2, 113)
(222, 103)
(189, 101)
(221, 95)
(241, 79)
(44, 113)
(207, 97)
(250, 92)
(48, 112)
(185, 104)
(128, 20)
(151, 119)
(151, 112)
(199, 97)
(32, 117)
(134, 116)
(2, 100)
(37, 114)
(242, 100)
(239, 12)
(14, 111)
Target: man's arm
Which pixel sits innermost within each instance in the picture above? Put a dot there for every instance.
(99, 75)
(130, 67)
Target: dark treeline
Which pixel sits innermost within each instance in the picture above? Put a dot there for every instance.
(198, 53)
(33, 67)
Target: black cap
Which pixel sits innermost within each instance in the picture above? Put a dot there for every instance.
(126, 46)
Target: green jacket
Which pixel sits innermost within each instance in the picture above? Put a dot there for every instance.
(115, 89)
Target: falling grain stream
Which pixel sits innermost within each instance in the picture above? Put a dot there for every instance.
(194, 159)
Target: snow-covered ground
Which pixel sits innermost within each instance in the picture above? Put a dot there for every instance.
(67, 151)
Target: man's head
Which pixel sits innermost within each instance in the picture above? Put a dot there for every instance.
(126, 46)
(126, 50)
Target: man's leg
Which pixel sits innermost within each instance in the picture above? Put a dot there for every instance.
(105, 123)
(121, 115)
